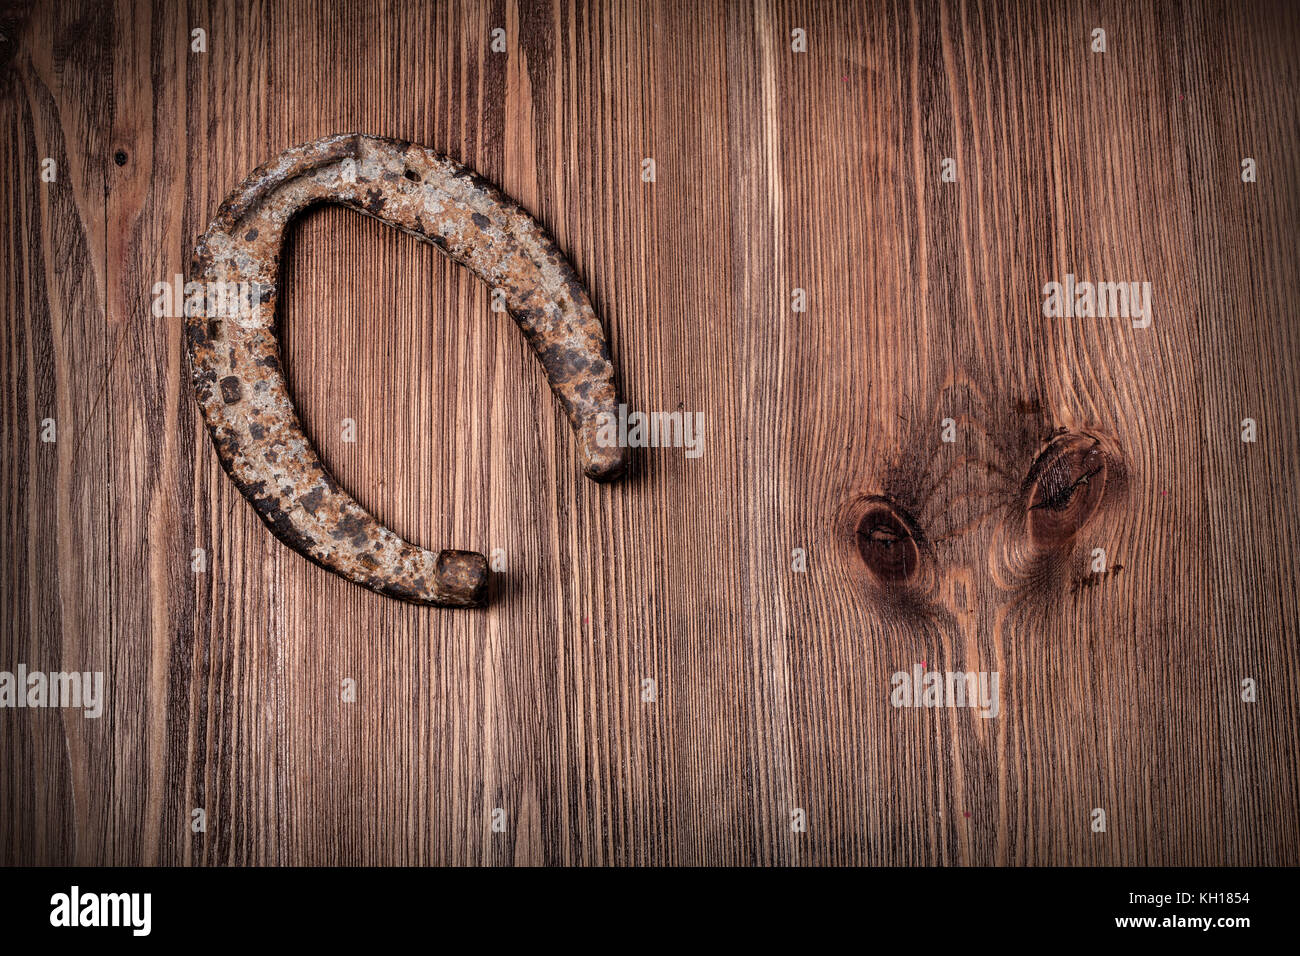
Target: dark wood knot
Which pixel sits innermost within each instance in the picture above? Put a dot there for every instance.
(887, 541)
(1066, 483)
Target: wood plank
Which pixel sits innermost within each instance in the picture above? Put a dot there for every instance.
(775, 171)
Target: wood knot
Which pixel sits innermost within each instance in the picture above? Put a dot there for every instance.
(1066, 484)
(887, 540)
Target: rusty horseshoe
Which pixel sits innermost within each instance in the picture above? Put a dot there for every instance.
(235, 355)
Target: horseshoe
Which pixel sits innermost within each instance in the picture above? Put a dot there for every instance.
(235, 355)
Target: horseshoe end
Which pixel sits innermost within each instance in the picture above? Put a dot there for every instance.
(461, 579)
(601, 463)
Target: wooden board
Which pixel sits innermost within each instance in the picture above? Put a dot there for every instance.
(775, 171)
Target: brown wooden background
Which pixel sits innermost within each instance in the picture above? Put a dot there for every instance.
(775, 171)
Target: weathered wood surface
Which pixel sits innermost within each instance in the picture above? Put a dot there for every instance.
(775, 171)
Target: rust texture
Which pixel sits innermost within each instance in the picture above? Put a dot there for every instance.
(235, 355)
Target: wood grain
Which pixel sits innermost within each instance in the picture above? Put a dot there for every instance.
(775, 171)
